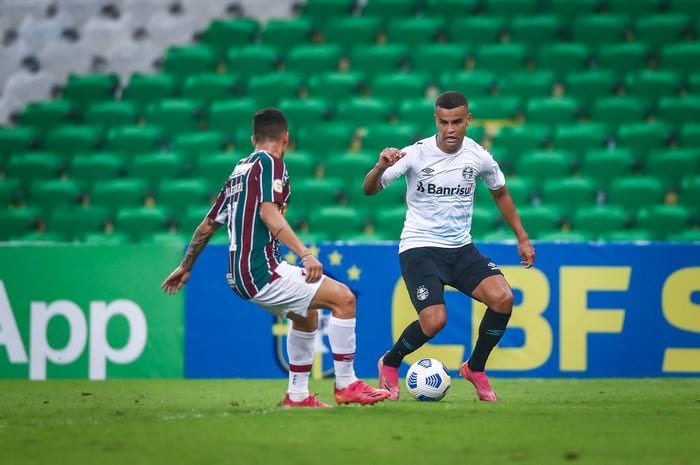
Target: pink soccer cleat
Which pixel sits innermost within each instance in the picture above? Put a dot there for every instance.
(389, 379)
(310, 401)
(480, 382)
(360, 392)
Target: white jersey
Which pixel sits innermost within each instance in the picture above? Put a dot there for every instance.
(440, 191)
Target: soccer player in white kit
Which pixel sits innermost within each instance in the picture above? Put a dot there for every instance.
(436, 249)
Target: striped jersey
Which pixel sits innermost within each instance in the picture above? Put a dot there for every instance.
(440, 191)
(254, 252)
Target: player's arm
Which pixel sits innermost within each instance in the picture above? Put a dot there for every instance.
(276, 223)
(505, 204)
(200, 239)
(387, 158)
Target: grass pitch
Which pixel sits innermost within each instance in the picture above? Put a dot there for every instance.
(538, 422)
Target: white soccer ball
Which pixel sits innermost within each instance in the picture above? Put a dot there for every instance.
(428, 380)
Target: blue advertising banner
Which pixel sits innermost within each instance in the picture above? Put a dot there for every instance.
(585, 310)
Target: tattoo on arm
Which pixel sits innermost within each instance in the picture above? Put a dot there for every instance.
(199, 240)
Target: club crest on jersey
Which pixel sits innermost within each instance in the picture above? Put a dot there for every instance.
(468, 173)
(422, 292)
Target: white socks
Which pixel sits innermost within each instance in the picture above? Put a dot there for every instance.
(341, 334)
(300, 349)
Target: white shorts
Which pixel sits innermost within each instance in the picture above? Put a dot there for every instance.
(288, 293)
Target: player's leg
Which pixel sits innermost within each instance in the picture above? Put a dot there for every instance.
(337, 297)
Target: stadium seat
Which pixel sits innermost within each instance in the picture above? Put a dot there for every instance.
(552, 110)
(471, 83)
(269, 89)
(498, 235)
(435, 60)
(191, 218)
(485, 219)
(689, 235)
(195, 145)
(350, 167)
(588, 85)
(364, 111)
(216, 167)
(108, 114)
(633, 7)
(10, 192)
(175, 238)
(306, 111)
(392, 196)
(139, 222)
(143, 89)
(326, 138)
(33, 166)
(17, 139)
(252, 60)
(390, 9)
(658, 30)
(119, 193)
(569, 193)
(510, 8)
(653, 84)
(84, 89)
(535, 31)
(495, 107)
(185, 60)
(605, 165)
(336, 86)
(155, 167)
(522, 138)
(501, 58)
(16, 222)
(336, 221)
(300, 164)
(563, 58)
(49, 194)
(389, 221)
(378, 59)
(690, 191)
(680, 56)
(566, 236)
(224, 33)
(45, 115)
(317, 192)
(541, 165)
(175, 115)
(688, 135)
(416, 111)
(663, 220)
(690, 7)
(211, 87)
(540, 219)
(106, 238)
(378, 136)
(528, 84)
(596, 30)
(322, 10)
(475, 31)
(616, 111)
(91, 168)
(130, 140)
(414, 31)
(522, 190)
(635, 192)
(395, 87)
(641, 137)
(671, 165)
(627, 235)
(226, 116)
(569, 10)
(599, 219)
(68, 140)
(447, 8)
(623, 58)
(284, 34)
(349, 31)
(75, 221)
(580, 138)
(678, 110)
(307, 60)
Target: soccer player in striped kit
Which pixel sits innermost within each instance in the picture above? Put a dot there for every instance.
(251, 205)
(436, 246)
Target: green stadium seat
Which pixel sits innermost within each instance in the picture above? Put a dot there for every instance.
(119, 193)
(317, 192)
(623, 58)
(627, 235)
(350, 31)
(495, 107)
(678, 110)
(326, 138)
(15, 222)
(690, 7)
(535, 31)
(590, 85)
(477, 83)
(252, 60)
(580, 138)
(522, 189)
(689, 135)
(498, 235)
(634, 7)
(653, 84)
(680, 56)
(143, 89)
(184, 60)
(227, 116)
(216, 167)
(552, 110)
(366, 238)
(18, 139)
(108, 114)
(641, 137)
(485, 219)
(195, 145)
(505, 158)
(600, 219)
(635, 192)
(364, 111)
(415, 31)
(167, 238)
(335, 86)
(563, 58)
(566, 236)
(84, 89)
(569, 194)
(33, 166)
(91, 168)
(378, 136)
(605, 165)
(450, 8)
(191, 218)
(663, 220)
(689, 235)
(542, 165)
(211, 87)
(569, 10)
(392, 196)
(156, 166)
(315, 237)
(68, 140)
(378, 59)
(106, 238)
(522, 138)
(307, 60)
(540, 219)
(510, 8)
(395, 87)
(322, 10)
(389, 221)
(298, 219)
(300, 164)
(175, 115)
(138, 222)
(434, 60)
(176, 195)
(616, 111)
(284, 34)
(130, 140)
(268, 89)
(501, 58)
(690, 191)
(390, 9)
(336, 221)
(474, 131)
(224, 33)
(475, 31)
(10, 192)
(45, 115)
(596, 30)
(418, 112)
(39, 237)
(73, 222)
(671, 165)
(303, 112)
(528, 84)
(49, 194)
(350, 167)
(659, 30)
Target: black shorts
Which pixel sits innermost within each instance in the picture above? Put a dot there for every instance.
(426, 271)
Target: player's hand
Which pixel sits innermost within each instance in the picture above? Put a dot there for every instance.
(389, 156)
(175, 280)
(313, 267)
(527, 254)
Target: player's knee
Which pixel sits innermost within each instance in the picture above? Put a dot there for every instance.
(346, 303)
(502, 301)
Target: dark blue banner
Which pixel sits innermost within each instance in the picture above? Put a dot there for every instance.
(585, 310)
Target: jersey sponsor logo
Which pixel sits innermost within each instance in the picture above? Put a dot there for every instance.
(493, 266)
(422, 293)
(434, 189)
(277, 185)
(427, 171)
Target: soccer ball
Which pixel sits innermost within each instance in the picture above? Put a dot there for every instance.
(428, 380)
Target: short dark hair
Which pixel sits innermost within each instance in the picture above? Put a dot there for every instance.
(269, 124)
(451, 99)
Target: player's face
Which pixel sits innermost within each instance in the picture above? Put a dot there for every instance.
(452, 126)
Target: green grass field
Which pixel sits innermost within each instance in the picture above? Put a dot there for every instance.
(539, 422)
